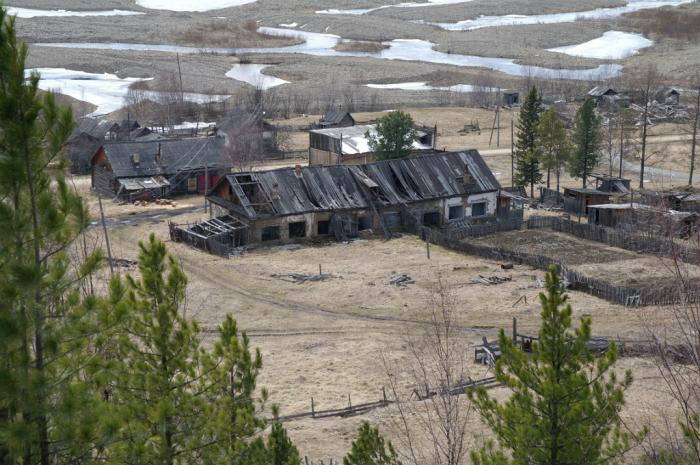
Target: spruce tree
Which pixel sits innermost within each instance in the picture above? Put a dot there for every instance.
(527, 165)
(586, 140)
(49, 411)
(394, 137)
(564, 405)
(280, 449)
(370, 448)
(553, 143)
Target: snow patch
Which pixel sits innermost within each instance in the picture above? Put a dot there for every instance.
(191, 5)
(290, 25)
(252, 74)
(521, 20)
(613, 45)
(423, 86)
(364, 11)
(32, 13)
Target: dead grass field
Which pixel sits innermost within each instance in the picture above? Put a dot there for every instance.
(325, 339)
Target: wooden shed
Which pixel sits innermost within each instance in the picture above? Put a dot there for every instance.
(578, 200)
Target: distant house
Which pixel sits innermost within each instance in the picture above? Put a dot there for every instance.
(671, 200)
(153, 169)
(339, 146)
(603, 95)
(614, 215)
(337, 119)
(250, 132)
(644, 218)
(668, 96)
(511, 97)
(290, 204)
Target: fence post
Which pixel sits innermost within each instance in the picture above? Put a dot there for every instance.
(384, 394)
(313, 411)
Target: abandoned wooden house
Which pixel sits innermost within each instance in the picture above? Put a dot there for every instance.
(668, 96)
(599, 93)
(640, 217)
(88, 136)
(350, 146)
(153, 169)
(613, 184)
(577, 200)
(336, 119)
(321, 201)
(614, 215)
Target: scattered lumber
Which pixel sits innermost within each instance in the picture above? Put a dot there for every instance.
(401, 280)
(493, 280)
(300, 278)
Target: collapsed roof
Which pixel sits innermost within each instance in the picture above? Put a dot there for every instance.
(355, 139)
(288, 191)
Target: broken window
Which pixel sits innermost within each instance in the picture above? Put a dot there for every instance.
(324, 228)
(364, 222)
(271, 233)
(479, 209)
(297, 229)
(456, 212)
(431, 219)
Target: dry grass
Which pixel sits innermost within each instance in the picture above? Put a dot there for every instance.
(360, 46)
(680, 24)
(228, 33)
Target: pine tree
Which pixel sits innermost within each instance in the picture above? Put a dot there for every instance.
(49, 413)
(280, 449)
(370, 448)
(565, 404)
(161, 366)
(586, 140)
(553, 143)
(527, 169)
(232, 379)
(394, 137)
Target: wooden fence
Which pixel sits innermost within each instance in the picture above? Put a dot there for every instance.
(461, 231)
(628, 296)
(617, 238)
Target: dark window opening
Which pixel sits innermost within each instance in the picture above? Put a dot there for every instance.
(431, 219)
(392, 220)
(364, 222)
(324, 228)
(271, 233)
(297, 229)
(479, 209)
(456, 212)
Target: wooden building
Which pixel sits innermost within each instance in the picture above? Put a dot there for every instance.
(577, 200)
(153, 169)
(337, 119)
(291, 204)
(350, 146)
(672, 200)
(511, 97)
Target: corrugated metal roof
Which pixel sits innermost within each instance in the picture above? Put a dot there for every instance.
(175, 155)
(355, 140)
(393, 182)
(335, 117)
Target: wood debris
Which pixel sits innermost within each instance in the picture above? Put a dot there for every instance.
(299, 278)
(401, 280)
(493, 280)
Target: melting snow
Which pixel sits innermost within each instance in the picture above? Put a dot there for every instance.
(191, 5)
(106, 91)
(252, 74)
(317, 44)
(364, 11)
(290, 25)
(423, 86)
(519, 20)
(32, 13)
(613, 45)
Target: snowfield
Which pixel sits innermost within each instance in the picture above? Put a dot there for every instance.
(191, 5)
(613, 45)
(364, 11)
(32, 13)
(252, 74)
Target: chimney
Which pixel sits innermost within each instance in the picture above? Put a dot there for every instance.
(275, 194)
(136, 159)
(158, 154)
(467, 179)
(297, 170)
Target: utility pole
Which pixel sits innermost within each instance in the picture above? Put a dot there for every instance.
(179, 72)
(512, 153)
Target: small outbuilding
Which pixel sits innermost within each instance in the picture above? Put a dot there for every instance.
(614, 184)
(511, 97)
(337, 119)
(578, 200)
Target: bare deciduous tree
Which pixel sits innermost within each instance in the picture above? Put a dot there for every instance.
(244, 139)
(433, 430)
